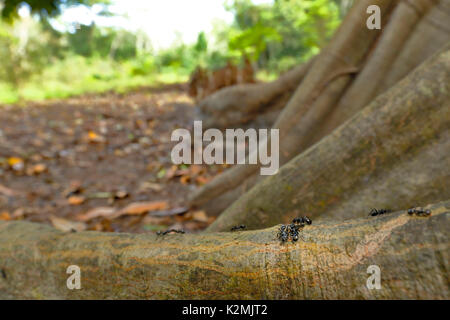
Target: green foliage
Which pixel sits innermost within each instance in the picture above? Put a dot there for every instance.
(46, 63)
(76, 75)
(142, 65)
(253, 41)
(25, 50)
(289, 30)
(202, 43)
(44, 8)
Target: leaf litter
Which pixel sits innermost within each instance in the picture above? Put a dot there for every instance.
(100, 162)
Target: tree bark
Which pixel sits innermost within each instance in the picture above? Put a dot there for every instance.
(235, 106)
(330, 261)
(392, 153)
(329, 76)
(428, 37)
(410, 34)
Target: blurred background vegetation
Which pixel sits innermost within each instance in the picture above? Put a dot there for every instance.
(38, 61)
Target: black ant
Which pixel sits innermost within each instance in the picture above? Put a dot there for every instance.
(419, 211)
(302, 220)
(283, 234)
(292, 230)
(375, 212)
(238, 227)
(163, 233)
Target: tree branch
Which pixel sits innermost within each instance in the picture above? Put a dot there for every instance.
(330, 261)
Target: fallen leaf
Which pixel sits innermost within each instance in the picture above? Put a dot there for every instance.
(18, 213)
(36, 169)
(195, 169)
(171, 172)
(185, 179)
(161, 173)
(121, 194)
(150, 186)
(103, 225)
(76, 200)
(16, 163)
(67, 225)
(200, 215)
(7, 191)
(74, 188)
(171, 212)
(137, 208)
(95, 138)
(5, 216)
(97, 212)
(201, 180)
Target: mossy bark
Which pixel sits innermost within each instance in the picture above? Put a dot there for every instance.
(329, 262)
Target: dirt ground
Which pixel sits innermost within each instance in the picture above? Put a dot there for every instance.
(100, 162)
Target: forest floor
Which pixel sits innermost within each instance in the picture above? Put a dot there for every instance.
(100, 162)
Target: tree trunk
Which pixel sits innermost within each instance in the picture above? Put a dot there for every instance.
(319, 91)
(392, 153)
(411, 33)
(235, 106)
(330, 261)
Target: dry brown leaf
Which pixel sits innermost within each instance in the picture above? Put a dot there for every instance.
(74, 188)
(36, 169)
(67, 225)
(95, 138)
(7, 191)
(200, 215)
(171, 172)
(150, 186)
(201, 180)
(18, 213)
(16, 163)
(97, 212)
(121, 194)
(137, 208)
(76, 200)
(195, 169)
(5, 216)
(185, 179)
(104, 225)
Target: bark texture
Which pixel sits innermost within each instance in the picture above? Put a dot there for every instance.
(237, 105)
(329, 262)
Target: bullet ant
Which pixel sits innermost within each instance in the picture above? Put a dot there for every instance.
(238, 227)
(419, 211)
(161, 233)
(375, 212)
